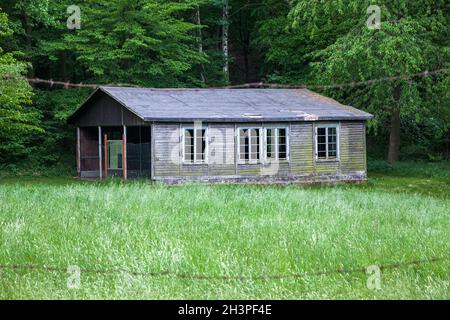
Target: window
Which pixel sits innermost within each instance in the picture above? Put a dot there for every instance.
(249, 145)
(276, 144)
(326, 142)
(194, 145)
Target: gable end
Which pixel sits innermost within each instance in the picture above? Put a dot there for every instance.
(100, 109)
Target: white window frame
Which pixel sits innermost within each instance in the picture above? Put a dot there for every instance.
(250, 160)
(326, 126)
(183, 139)
(276, 128)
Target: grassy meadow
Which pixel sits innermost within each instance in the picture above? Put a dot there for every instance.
(401, 214)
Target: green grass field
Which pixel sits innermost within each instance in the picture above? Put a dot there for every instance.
(401, 215)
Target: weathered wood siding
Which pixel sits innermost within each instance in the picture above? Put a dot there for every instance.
(353, 147)
(221, 150)
(222, 155)
(302, 149)
(326, 167)
(166, 150)
(194, 170)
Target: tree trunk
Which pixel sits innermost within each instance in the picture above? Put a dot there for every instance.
(394, 136)
(225, 21)
(244, 38)
(200, 40)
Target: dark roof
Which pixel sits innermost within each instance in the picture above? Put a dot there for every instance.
(231, 105)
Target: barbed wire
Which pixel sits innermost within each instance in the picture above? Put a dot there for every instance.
(338, 85)
(395, 265)
(68, 84)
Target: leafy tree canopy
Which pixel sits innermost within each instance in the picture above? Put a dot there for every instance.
(16, 122)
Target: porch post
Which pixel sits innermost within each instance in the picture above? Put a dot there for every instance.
(124, 153)
(106, 155)
(100, 152)
(78, 152)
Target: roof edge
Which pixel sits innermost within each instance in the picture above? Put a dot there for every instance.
(258, 120)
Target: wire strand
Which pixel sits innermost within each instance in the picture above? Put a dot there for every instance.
(68, 84)
(395, 265)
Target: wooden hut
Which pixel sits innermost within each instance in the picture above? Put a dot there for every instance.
(219, 135)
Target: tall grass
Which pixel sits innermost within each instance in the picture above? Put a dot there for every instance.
(221, 230)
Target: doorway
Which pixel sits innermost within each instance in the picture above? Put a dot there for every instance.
(115, 154)
(112, 151)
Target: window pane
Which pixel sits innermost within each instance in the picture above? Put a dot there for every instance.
(189, 145)
(331, 146)
(332, 143)
(244, 147)
(332, 150)
(203, 144)
(282, 144)
(321, 145)
(200, 144)
(321, 131)
(269, 151)
(321, 139)
(282, 151)
(331, 138)
(254, 144)
(331, 131)
(270, 143)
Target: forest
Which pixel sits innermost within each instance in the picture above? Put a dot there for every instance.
(219, 43)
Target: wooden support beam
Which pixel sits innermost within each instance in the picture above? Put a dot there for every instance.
(124, 153)
(152, 151)
(99, 152)
(106, 155)
(78, 152)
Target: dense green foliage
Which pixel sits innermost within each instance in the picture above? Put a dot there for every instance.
(412, 37)
(17, 122)
(401, 216)
(162, 43)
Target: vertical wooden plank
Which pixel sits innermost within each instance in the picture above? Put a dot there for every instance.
(152, 151)
(314, 140)
(100, 152)
(236, 150)
(140, 150)
(124, 153)
(365, 147)
(207, 155)
(106, 156)
(78, 152)
(338, 150)
(181, 151)
(288, 148)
